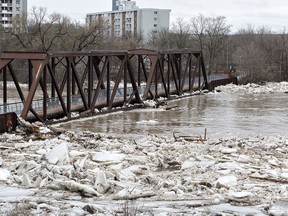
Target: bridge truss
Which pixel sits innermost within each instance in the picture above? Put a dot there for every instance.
(59, 84)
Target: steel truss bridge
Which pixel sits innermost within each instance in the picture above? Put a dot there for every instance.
(65, 82)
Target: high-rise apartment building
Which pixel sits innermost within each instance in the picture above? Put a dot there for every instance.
(126, 19)
(10, 9)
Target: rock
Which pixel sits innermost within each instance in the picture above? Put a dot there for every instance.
(90, 209)
(4, 174)
(226, 182)
(59, 154)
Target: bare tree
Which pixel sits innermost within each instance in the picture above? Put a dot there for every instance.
(261, 54)
(160, 40)
(44, 32)
(211, 33)
(80, 37)
(180, 34)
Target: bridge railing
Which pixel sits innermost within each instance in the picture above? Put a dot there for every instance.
(85, 79)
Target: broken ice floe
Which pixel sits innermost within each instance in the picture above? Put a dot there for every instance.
(83, 164)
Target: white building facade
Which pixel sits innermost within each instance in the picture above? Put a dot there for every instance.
(126, 19)
(10, 9)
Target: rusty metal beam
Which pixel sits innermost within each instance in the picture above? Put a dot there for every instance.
(29, 99)
(72, 74)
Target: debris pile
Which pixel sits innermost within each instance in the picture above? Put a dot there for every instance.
(62, 173)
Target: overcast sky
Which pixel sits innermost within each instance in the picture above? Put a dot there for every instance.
(238, 13)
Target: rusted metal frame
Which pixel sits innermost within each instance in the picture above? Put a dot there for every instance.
(168, 74)
(174, 76)
(153, 60)
(125, 78)
(145, 73)
(161, 68)
(54, 82)
(204, 71)
(198, 68)
(76, 80)
(199, 74)
(191, 77)
(89, 70)
(64, 80)
(86, 71)
(75, 63)
(108, 84)
(30, 73)
(45, 95)
(73, 86)
(143, 67)
(15, 80)
(139, 69)
(21, 95)
(133, 81)
(118, 80)
(98, 72)
(24, 55)
(5, 85)
(42, 85)
(185, 72)
(156, 78)
(84, 75)
(195, 71)
(81, 59)
(178, 66)
(68, 88)
(99, 84)
(4, 62)
(28, 102)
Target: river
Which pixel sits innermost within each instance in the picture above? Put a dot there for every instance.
(223, 115)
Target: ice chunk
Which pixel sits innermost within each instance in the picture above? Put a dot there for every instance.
(4, 174)
(107, 157)
(59, 154)
(279, 208)
(226, 181)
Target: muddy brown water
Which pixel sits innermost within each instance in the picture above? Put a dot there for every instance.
(223, 115)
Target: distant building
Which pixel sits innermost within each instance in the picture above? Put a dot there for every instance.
(10, 9)
(126, 19)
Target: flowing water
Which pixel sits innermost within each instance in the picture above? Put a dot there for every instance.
(222, 115)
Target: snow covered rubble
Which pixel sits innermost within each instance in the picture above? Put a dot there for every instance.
(253, 88)
(80, 173)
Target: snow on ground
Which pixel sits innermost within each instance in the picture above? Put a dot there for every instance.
(80, 173)
(252, 88)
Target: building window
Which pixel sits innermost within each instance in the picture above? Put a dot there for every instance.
(17, 1)
(155, 12)
(155, 25)
(18, 9)
(155, 19)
